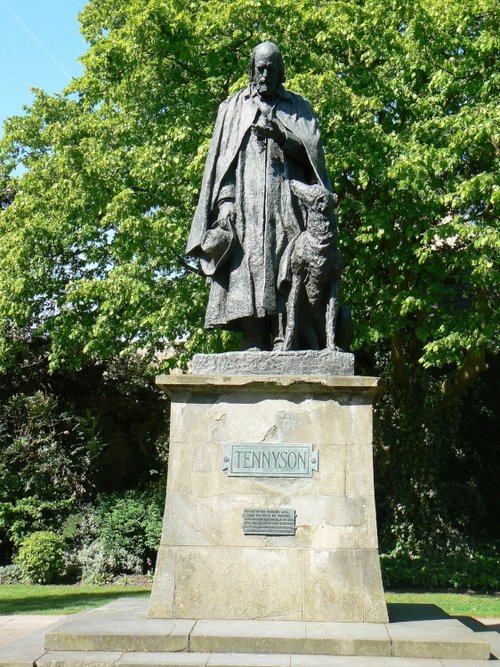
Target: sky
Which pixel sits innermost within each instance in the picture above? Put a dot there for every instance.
(40, 44)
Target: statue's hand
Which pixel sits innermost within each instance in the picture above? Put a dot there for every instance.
(227, 211)
(270, 128)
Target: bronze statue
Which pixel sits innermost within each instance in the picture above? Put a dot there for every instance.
(310, 274)
(249, 214)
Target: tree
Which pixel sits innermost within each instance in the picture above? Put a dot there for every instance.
(69, 436)
(92, 246)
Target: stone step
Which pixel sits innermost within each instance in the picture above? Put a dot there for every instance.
(123, 627)
(120, 633)
(106, 659)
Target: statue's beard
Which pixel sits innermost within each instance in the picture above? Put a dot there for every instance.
(265, 90)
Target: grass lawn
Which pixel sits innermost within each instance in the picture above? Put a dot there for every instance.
(24, 599)
(455, 604)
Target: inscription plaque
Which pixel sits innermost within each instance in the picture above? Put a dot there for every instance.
(269, 522)
(269, 460)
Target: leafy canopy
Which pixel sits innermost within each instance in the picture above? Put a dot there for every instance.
(406, 91)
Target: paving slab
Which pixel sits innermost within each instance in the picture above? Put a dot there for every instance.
(442, 638)
(128, 603)
(164, 659)
(14, 627)
(248, 637)
(109, 659)
(370, 639)
(464, 663)
(360, 661)
(121, 607)
(22, 652)
(445, 638)
(32, 620)
(493, 638)
(492, 621)
(26, 649)
(247, 660)
(78, 658)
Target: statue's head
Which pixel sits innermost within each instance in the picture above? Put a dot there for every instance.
(267, 72)
(315, 197)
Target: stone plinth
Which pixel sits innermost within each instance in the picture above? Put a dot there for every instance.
(207, 566)
(300, 362)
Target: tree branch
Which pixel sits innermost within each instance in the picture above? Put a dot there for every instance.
(184, 66)
(399, 365)
(474, 365)
(188, 266)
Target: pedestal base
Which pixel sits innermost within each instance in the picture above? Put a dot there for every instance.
(120, 634)
(208, 565)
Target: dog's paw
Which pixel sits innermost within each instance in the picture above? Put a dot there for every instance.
(333, 348)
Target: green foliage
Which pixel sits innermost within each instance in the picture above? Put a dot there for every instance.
(46, 451)
(407, 93)
(41, 557)
(117, 534)
(20, 518)
(47, 455)
(67, 436)
(474, 569)
(436, 464)
(10, 574)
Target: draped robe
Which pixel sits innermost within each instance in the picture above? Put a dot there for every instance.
(256, 174)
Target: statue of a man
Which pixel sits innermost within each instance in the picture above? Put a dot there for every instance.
(264, 137)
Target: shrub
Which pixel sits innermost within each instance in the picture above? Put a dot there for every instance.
(69, 435)
(475, 568)
(95, 565)
(10, 574)
(47, 455)
(118, 534)
(41, 557)
(47, 451)
(28, 515)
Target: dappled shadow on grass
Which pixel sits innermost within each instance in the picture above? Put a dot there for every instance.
(476, 626)
(64, 603)
(399, 612)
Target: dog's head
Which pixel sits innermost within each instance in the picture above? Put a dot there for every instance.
(315, 197)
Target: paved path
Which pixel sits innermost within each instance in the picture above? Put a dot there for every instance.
(15, 627)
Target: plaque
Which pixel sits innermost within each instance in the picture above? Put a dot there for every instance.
(268, 522)
(269, 460)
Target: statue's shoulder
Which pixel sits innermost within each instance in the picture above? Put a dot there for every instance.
(233, 100)
(297, 100)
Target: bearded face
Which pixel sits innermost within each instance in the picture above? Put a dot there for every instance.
(267, 70)
(266, 78)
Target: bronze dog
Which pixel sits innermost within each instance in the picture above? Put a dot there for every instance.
(310, 269)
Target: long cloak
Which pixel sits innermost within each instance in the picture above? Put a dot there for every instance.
(267, 214)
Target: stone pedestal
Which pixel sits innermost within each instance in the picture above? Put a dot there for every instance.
(222, 596)
(208, 567)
